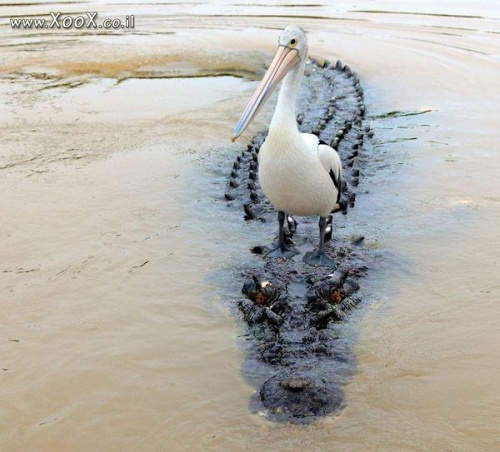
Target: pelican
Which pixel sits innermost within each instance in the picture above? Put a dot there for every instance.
(298, 174)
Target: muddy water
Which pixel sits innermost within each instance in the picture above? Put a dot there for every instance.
(116, 336)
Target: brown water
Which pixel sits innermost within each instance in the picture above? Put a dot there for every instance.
(116, 336)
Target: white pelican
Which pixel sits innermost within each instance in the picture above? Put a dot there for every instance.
(297, 173)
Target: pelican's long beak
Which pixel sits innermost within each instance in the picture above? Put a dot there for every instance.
(283, 61)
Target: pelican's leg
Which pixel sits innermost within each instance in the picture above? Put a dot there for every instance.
(319, 257)
(282, 250)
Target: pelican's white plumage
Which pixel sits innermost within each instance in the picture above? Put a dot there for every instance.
(297, 173)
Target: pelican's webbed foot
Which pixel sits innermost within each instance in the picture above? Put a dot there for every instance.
(282, 250)
(285, 252)
(319, 259)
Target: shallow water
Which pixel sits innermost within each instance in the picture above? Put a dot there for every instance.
(116, 335)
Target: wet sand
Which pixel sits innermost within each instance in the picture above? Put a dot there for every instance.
(115, 333)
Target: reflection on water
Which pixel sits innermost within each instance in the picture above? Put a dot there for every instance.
(114, 336)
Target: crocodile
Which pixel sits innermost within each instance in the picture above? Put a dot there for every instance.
(293, 311)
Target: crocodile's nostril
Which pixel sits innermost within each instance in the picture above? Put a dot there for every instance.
(296, 384)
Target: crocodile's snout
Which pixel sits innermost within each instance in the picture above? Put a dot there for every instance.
(296, 395)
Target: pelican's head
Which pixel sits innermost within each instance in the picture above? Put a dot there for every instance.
(292, 48)
(294, 38)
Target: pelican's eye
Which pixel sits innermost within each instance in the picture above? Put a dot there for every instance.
(293, 42)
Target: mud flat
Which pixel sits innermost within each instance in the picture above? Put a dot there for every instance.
(293, 311)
